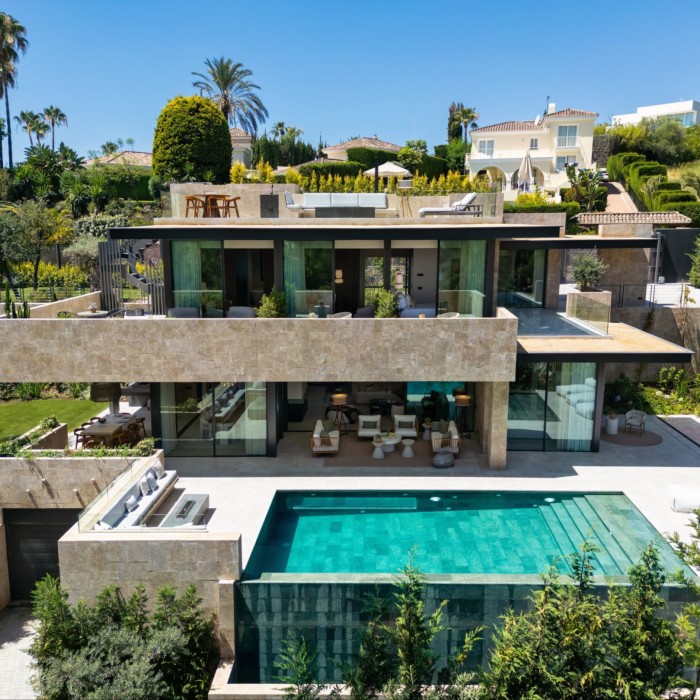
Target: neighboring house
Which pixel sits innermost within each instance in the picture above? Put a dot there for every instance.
(139, 158)
(340, 150)
(242, 144)
(686, 112)
(558, 139)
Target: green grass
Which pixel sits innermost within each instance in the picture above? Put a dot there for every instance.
(685, 168)
(17, 417)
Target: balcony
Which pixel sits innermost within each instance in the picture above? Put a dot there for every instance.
(568, 142)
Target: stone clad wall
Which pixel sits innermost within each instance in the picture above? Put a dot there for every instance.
(275, 350)
(74, 305)
(90, 561)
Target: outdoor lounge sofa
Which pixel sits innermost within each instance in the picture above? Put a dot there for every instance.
(337, 200)
(138, 502)
(369, 426)
(463, 207)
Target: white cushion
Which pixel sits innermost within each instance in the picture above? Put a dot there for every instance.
(151, 479)
(159, 469)
(144, 486)
(101, 525)
(589, 382)
(401, 302)
(130, 503)
(465, 201)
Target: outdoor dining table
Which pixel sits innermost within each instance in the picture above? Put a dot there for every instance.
(106, 432)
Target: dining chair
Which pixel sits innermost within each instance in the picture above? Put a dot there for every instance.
(194, 204)
(232, 203)
(79, 438)
(216, 206)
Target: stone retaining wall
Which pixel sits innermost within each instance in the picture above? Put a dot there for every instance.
(73, 305)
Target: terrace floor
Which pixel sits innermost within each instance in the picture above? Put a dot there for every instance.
(241, 498)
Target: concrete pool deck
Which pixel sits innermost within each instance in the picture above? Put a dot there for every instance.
(241, 489)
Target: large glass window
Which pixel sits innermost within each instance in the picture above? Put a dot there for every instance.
(551, 406)
(373, 271)
(197, 283)
(214, 419)
(461, 277)
(566, 137)
(485, 148)
(521, 278)
(308, 276)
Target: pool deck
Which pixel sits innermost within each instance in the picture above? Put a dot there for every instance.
(241, 489)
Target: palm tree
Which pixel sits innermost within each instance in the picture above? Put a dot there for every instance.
(3, 133)
(228, 85)
(41, 128)
(54, 117)
(29, 121)
(12, 43)
(278, 130)
(293, 133)
(467, 117)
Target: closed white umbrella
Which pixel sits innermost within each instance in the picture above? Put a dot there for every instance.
(388, 169)
(525, 173)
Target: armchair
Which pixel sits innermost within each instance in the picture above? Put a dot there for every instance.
(369, 426)
(635, 419)
(324, 444)
(406, 426)
(451, 441)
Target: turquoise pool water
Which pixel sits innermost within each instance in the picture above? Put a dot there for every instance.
(450, 532)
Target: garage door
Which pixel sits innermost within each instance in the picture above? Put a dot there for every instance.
(32, 544)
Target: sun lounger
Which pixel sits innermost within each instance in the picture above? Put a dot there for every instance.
(462, 207)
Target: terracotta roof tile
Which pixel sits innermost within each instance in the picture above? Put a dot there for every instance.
(124, 158)
(366, 142)
(570, 113)
(641, 217)
(510, 126)
(240, 137)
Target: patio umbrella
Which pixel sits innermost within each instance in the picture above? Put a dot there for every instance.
(388, 169)
(525, 173)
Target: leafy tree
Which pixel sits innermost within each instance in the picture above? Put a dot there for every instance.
(13, 42)
(191, 130)
(13, 248)
(229, 86)
(30, 123)
(454, 126)
(3, 134)
(54, 117)
(466, 117)
(586, 269)
(666, 141)
(39, 226)
(455, 151)
(297, 668)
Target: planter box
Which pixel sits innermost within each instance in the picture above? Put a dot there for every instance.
(55, 439)
(612, 426)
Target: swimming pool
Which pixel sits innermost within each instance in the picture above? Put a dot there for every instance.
(450, 532)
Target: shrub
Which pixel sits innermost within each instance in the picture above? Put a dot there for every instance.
(265, 172)
(272, 305)
(292, 176)
(385, 303)
(191, 135)
(668, 186)
(433, 166)
(618, 164)
(689, 209)
(639, 172)
(50, 275)
(238, 172)
(665, 197)
(694, 273)
(570, 208)
(367, 157)
(97, 225)
(342, 168)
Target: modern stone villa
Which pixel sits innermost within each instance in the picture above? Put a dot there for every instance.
(483, 342)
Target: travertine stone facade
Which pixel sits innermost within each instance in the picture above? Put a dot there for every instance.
(62, 475)
(90, 561)
(179, 350)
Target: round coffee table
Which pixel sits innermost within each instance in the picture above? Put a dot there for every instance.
(408, 448)
(389, 443)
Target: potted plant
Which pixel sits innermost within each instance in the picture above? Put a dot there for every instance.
(586, 269)
(612, 423)
(272, 305)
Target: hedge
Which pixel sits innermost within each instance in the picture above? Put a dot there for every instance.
(661, 198)
(690, 209)
(433, 167)
(570, 208)
(639, 172)
(668, 186)
(618, 162)
(367, 157)
(340, 167)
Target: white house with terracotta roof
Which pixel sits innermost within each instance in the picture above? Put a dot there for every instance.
(559, 138)
(242, 145)
(340, 151)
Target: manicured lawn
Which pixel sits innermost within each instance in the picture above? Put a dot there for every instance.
(16, 417)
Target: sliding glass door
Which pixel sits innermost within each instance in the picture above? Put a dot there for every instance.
(462, 277)
(308, 277)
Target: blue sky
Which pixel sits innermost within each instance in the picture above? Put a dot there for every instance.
(341, 69)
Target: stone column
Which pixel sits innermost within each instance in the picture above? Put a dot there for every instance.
(227, 627)
(495, 423)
